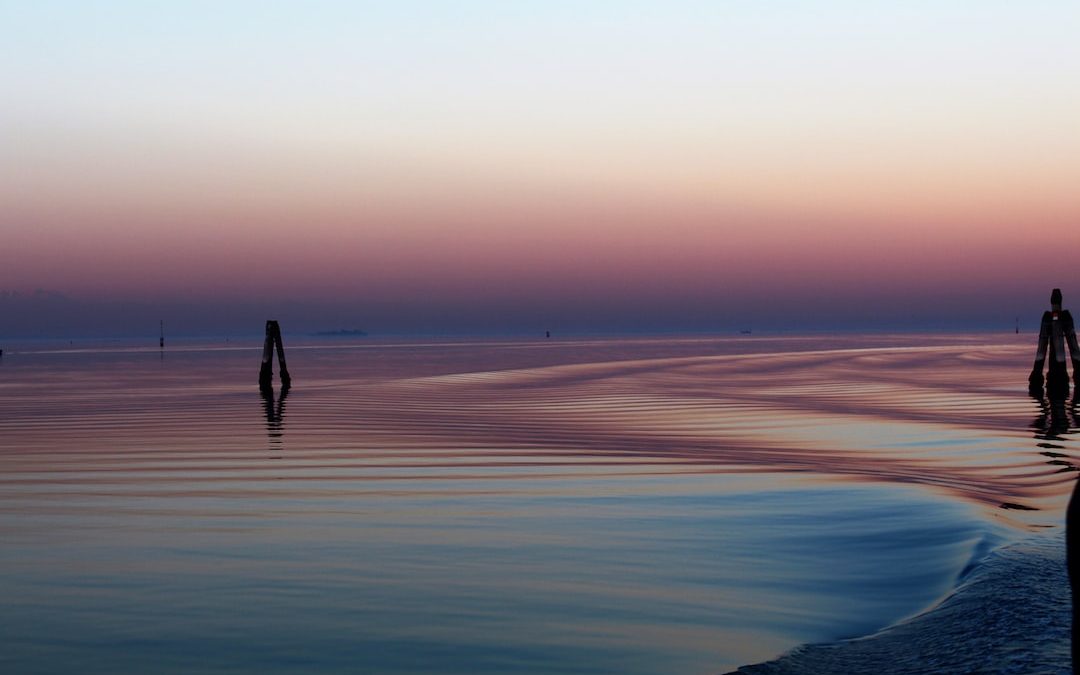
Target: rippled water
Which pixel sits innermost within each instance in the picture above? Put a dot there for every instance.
(604, 506)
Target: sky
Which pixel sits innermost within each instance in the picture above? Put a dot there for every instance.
(514, 167)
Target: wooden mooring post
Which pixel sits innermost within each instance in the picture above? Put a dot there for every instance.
(266, 372)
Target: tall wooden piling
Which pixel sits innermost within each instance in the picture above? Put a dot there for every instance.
(270, 344)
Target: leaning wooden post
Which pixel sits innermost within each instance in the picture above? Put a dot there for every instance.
(266, 371)
(286, 381)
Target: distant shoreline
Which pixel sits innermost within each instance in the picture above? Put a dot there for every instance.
(339, 333)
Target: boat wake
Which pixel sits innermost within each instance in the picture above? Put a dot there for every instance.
(1009, 614)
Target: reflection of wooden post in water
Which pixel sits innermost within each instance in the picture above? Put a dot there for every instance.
(275, 412)
(266, 372)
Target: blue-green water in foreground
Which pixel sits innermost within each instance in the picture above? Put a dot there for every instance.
(601, 506)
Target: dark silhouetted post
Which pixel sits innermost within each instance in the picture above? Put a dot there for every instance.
(1055, 332)
(266, 372)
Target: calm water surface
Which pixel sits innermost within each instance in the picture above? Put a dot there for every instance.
(596, 506)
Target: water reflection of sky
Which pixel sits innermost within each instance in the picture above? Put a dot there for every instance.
(659, 514)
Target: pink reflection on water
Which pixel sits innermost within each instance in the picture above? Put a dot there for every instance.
(948, 414)
(383, 451)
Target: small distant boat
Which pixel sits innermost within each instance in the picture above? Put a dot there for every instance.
(744, 332)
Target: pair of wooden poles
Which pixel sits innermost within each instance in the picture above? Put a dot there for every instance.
(266, 372)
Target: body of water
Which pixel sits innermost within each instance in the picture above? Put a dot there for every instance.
(650, 505)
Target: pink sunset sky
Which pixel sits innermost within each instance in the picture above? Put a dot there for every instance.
(517, 167)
